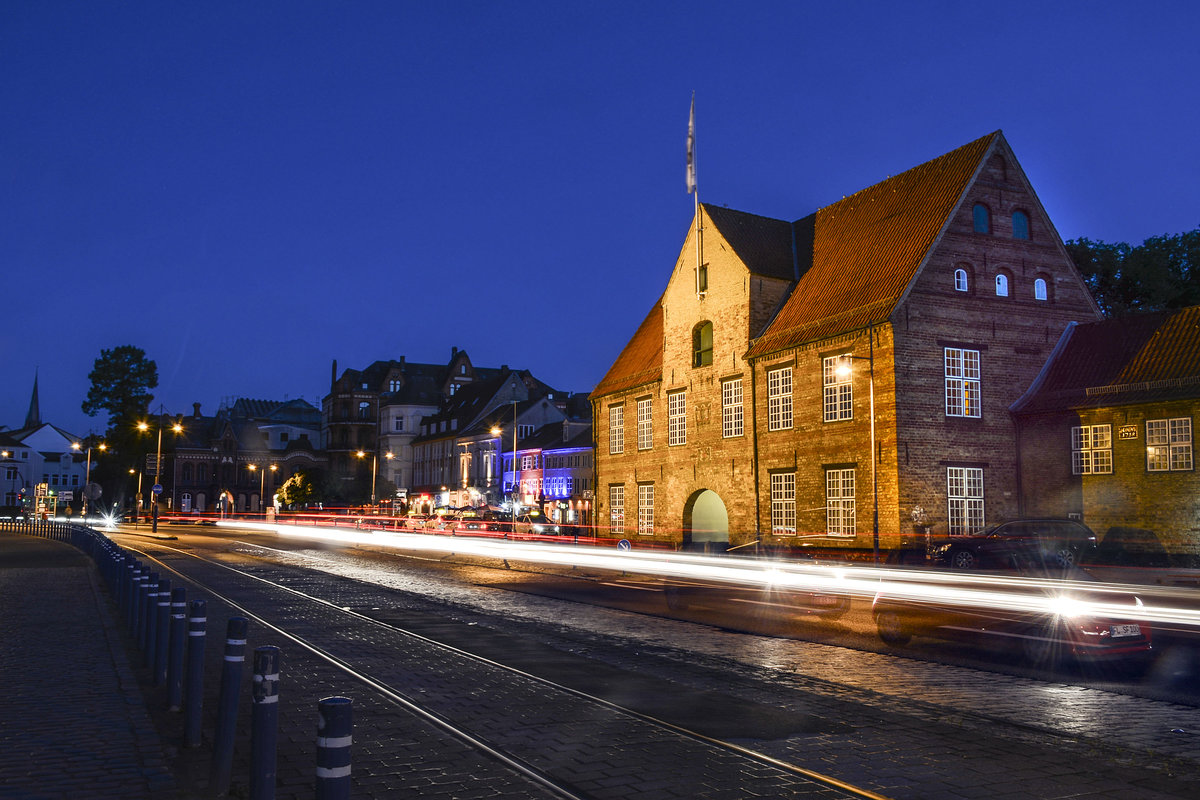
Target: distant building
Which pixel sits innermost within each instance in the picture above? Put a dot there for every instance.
(1106, 431)
(39, 453)
(797, 378)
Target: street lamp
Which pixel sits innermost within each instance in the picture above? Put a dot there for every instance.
(843, 370)
(145, 426)
(137, 511)
(496, 432)
(87, 476)
(262, 480)
(12, 481)
(374, 468)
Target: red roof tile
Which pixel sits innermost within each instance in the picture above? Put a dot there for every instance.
(641, 360)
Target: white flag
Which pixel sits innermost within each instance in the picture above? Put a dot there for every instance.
(691, 148)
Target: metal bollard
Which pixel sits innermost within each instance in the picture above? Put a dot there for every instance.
(149, 603)
(162, 631)
(231, 679)
(175, 649)
(335, 729)
(194, 682)
(264, 723)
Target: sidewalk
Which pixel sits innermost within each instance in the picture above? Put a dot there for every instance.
(75, 722)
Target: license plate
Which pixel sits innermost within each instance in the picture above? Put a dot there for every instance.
(1120, 631)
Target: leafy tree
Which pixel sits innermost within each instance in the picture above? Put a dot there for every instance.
(1162, 272)
(296, 490)
(121, 382)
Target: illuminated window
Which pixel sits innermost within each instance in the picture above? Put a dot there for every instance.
(645, 424)
(702, 345)
(616, 509)
(960, 280)
(839, 391)
(982, 218)
(1169, 444)
(779, 399)
(964, 492)
(962, 382)
(783, 503)
(1001, 285)
(1020, 225)
(731, 408)
(364, 410)
(616, 429)
(1091, 449)
(646, 508)
(1039, 289)
(839, 502)
(677, 418)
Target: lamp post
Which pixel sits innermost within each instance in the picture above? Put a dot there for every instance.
(12, 481)
(137, 510)
(374, 468)
(262, 480)
(87, 475)
(843, 370)
(145, 426)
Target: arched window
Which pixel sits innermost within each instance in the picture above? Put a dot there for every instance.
(983, 219)
(1020, 225)
(960, 280)
(702, 344)
(187, 473)
(1001, 285)
(1039, 289)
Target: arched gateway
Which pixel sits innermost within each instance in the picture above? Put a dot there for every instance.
(705, 523)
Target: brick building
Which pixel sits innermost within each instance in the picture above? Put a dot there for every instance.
(910, 315)
(1105, 432)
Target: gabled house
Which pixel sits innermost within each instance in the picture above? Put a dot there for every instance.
(1105, 433)
(844, 378)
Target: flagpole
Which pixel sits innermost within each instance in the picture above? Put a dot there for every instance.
(693, 190)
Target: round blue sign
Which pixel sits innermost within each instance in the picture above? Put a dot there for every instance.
(624, 544)
(157, 488)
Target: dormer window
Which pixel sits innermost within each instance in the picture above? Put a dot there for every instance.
(960, 280)
(1020, 225)
(702, 345)
(982, 218)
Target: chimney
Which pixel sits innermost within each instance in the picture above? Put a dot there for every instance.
(333, 377)
(196, 410)
(453, 353)
(401, 362)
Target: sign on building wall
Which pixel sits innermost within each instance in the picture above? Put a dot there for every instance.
(1127, 432)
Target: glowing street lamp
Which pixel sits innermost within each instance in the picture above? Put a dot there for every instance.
(374, 468)
(145, 426)
(843, 370)
(87, 476)
(137, 512)
(262, 480)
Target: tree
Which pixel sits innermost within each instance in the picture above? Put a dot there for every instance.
(121, 379)
(1162, 272)
(296, 490)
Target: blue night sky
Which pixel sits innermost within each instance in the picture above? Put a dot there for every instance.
(248, 191)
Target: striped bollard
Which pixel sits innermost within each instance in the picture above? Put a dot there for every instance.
(335, 734)
(264, 723)
(231, 680)
(178, 634)
(162, 632)
(149, 603)
(194, 681)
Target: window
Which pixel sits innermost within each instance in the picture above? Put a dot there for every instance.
(528, 462)
(960, 280)
(616, 509)
(964, 492)
(364, 410)
(1091, 449)
(1169, 444)
(1039, 289)
(677, 418)
(398, 424)
(645, 424)
(783, 503)
(732, 423)
(524, 431)
(646, 509)
(839, 502)
(702, 345)
(702, 279)
(1020, 225)
(1001, 285)
(394, 385)
(962, 382)
(982, 218)
(616, 429)
(839, 391)
(779, 399)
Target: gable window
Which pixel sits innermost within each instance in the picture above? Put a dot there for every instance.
(779, 399)
(677, 418)
(393, 386)
(964, 493)
(616, 429)
(1039, 289)
(960, 280)
(524, 430)
(645, 424)
(646, 509)
(839, 502)
(702, 345)
(1020, 225)
(982, 218)
(962, 382)
(1169, 444)
(783, 503)
(616, 508)
(1001, 285)
(839, 391)
(702, 279)
(732, 423)
(1091, 449)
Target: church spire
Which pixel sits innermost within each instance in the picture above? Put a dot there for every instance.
(34, 418)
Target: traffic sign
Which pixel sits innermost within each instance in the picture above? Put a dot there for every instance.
(624, 544)
(157, 488)
(66, 496)
(92, 491)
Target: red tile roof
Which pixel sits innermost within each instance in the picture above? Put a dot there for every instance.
(641, 360)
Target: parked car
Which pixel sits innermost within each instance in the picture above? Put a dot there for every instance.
(536, 525)
(1042, 622)
(1063, 540)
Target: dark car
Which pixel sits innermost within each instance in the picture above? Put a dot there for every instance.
(1065, 541)
(1046, 618)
